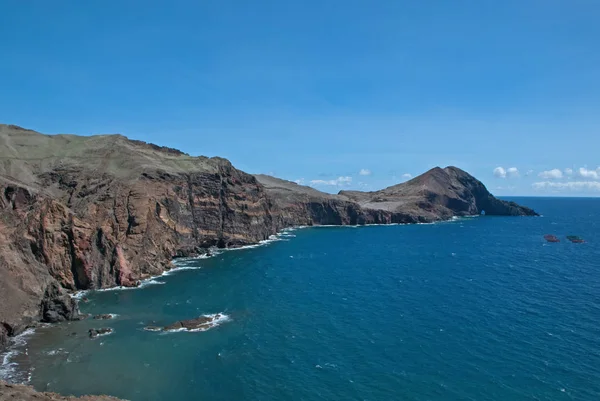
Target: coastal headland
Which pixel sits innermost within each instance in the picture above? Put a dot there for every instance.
(92, 212)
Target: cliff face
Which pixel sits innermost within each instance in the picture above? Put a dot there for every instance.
(93, 212)
(435, 195)
(96, 212)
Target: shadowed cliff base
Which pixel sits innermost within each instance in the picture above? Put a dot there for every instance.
(101, 211)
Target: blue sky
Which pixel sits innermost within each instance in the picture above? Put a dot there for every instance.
(321, 91)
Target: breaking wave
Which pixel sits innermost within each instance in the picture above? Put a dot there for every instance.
(9, 368)
(218, 319)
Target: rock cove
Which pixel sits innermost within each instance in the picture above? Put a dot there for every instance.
(93, 212)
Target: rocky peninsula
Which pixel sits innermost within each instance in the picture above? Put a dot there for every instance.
(93, 212)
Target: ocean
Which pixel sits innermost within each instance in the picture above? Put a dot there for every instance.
(473, 309)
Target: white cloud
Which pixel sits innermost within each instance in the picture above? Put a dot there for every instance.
(500, 172)
(568, 171)
(528, 173)
(593, 174)
(512, 172)
(299, 181)
(338, 182)
(575, 186)
(406, 176)
(364, 171)
(554, 174)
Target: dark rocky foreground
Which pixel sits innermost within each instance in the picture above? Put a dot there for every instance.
(14, 392)
(101, 211)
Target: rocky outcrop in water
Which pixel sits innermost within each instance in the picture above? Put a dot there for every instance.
(105, 316)
(201, 323)
(93, 333)
(101, 211)
(58, 306)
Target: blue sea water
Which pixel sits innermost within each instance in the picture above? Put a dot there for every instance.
(474, 309)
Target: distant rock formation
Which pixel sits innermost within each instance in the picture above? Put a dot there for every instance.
(438, 194)
(101, 211)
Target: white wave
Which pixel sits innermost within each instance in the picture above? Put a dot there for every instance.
(271, 239)
(218, 319)
(79, 294)
(183, 262)
(152, 328)
(9, 368)
(108, 333)
(53, 352)
(149, 281)
(143, 283)
(112, 315)
(179, 268)
(358, 225)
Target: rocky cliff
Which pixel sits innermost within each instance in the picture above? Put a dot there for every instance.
(100, 211)
(438, 194)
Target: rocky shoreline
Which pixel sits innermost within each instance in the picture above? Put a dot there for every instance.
(86, 213)
(12, 392)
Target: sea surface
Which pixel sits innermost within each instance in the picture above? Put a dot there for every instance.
(474, 309)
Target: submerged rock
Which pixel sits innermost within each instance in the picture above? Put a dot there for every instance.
(153, 328)
(93, 333)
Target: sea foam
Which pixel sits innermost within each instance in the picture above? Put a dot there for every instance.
(218, 319)
(9, 367)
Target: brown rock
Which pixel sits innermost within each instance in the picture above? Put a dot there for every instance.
(105, 316)
(93, 212)
(12, 392)
(199, 323)
(93, 333)
(58, 306)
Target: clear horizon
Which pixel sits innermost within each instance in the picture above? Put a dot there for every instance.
(333, 95)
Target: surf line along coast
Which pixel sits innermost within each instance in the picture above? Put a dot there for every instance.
(105, 211)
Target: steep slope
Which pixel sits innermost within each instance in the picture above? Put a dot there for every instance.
(300, 205)
(438, 194)
(93, 212)
(435, 195)
(100, 211)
